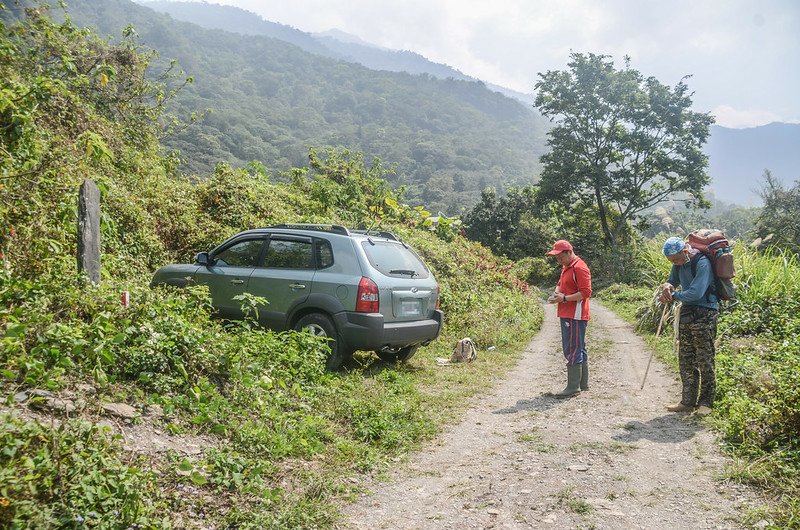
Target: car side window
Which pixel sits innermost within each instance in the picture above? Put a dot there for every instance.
(289, 254)
(241, 254)
(324, 254)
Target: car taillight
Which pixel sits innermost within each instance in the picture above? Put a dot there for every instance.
(438, 291)
(367, 299)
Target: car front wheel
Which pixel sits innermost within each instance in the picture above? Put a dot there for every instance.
(391, 355)
(320, 325)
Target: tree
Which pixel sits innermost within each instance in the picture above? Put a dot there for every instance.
(778, 218)
(622, 142)
(510, 225)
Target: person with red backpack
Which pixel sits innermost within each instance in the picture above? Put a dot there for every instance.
(692, 271)
(572, 296)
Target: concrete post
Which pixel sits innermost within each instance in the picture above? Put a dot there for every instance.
(89, 231)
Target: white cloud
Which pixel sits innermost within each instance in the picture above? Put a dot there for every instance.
(727, 116)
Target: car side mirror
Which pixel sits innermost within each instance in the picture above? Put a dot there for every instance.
(202, 259)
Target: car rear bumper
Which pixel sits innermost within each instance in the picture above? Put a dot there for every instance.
(368, 331)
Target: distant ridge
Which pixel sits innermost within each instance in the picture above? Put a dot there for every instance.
(738, 158)
(332, 43)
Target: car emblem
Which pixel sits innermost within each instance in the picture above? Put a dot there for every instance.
(414, 289)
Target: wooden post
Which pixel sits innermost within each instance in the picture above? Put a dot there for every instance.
(89, 231)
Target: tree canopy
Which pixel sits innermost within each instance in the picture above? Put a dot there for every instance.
(623, 142)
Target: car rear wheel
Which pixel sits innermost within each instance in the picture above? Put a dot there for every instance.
(391, 355)
(320, 325)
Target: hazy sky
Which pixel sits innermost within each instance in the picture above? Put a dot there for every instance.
(743, 55)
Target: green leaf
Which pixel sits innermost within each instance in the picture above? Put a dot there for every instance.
(198, 479)
(15, 329)
(185, 465)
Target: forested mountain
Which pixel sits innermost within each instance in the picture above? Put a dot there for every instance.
(738, 158)
(270, 101)
(332, 43)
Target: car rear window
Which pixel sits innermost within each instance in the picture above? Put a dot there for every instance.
(393, 259)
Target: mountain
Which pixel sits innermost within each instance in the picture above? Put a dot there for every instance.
(270, 101)
(738, 158)
(236, 20)
(332, 43)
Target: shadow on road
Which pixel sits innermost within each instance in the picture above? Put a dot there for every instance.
(670, 428)
(542, 402)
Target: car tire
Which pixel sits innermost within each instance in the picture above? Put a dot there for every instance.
(393, 355)
(320, 325)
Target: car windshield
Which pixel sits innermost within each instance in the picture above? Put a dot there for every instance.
(394, 259)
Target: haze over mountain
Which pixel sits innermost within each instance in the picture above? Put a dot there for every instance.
(332, 43)
(738, 158)
(275, 90)
(271, 101)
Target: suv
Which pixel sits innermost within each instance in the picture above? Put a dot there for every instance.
(364, 290)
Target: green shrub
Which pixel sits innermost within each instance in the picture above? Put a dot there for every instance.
(73, 475)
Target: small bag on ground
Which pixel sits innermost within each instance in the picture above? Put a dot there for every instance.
(464, 352)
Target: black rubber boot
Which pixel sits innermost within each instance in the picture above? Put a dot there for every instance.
(573, 382)
(585, 376)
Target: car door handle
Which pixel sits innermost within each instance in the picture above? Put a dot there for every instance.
(297, 286)
(237, 282)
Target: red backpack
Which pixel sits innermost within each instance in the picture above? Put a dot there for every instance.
(714, 245)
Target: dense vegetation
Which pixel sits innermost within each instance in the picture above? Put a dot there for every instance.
(279, 439)
(269, 100)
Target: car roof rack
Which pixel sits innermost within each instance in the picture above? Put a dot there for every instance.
(337, 229)
(381, 233)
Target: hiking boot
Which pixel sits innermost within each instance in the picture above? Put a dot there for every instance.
(702, 410)
(573, 382)
(680, 407)
(585, 376)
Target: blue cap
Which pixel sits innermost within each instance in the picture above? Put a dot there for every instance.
(673, 245)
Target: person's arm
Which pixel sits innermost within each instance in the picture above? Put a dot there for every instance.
(583, 279)
(696, 290)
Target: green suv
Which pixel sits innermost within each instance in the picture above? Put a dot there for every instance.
(363, 290)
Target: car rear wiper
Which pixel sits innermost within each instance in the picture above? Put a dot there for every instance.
(403, 271)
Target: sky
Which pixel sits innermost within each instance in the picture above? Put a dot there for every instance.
(743, 55)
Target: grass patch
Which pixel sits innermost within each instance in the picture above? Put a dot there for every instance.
(568, 499)
(536, 443)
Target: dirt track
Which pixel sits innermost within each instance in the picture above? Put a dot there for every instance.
(611, 457)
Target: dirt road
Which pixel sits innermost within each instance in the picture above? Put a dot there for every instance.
(611, 457)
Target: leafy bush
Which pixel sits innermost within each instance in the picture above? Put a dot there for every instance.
(73, 475)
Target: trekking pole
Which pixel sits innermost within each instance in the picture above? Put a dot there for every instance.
(652, 351)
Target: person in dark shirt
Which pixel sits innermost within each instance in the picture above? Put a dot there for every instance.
(697, 327)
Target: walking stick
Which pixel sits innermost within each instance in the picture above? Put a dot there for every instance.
(652, 351)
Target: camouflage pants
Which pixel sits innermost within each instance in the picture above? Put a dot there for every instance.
(696, 332)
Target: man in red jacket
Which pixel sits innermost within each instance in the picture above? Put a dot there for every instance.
(572, 296)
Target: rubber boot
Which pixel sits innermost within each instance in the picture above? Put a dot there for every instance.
(585, 376)
(573, 382)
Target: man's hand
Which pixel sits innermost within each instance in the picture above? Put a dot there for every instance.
(666, 293)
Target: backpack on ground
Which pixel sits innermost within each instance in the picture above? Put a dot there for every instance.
(714, 245)
(464, 352)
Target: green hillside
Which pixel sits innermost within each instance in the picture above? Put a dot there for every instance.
(270, 101)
